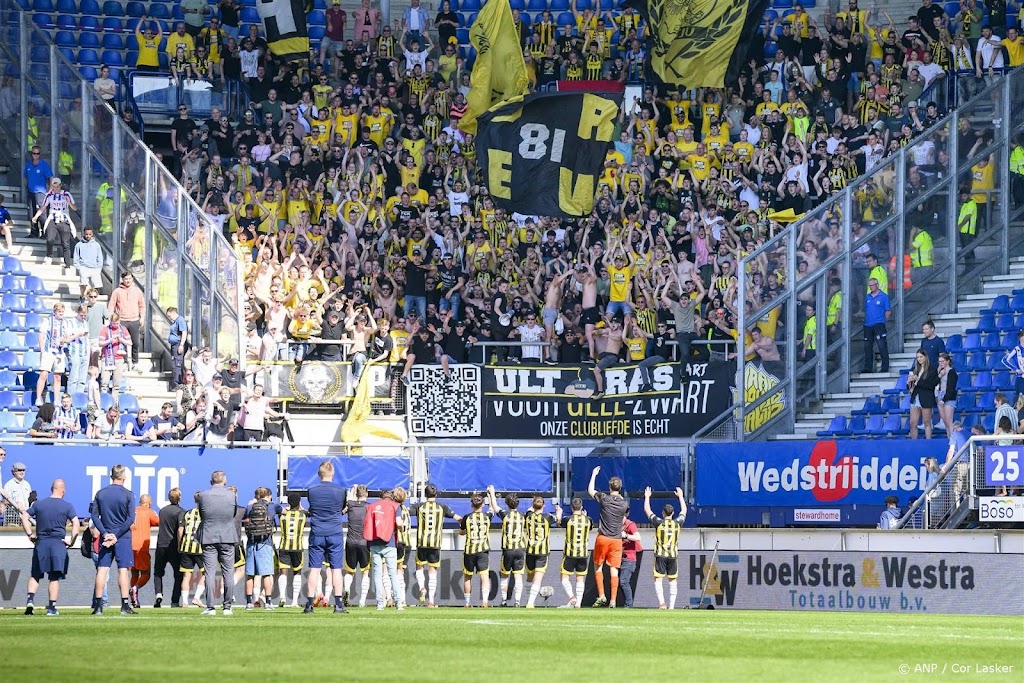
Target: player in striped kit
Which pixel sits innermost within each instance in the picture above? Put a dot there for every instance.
(58, 204)
(666, 546)
(191, 553)
(513, 544)
(537, 527)
(574, 563)
(289, 553)
(430, 517)
(53, 341)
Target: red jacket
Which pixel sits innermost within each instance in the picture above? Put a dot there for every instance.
(379, 524)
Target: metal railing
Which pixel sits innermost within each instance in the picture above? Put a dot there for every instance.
(145, 220)
(884, 212)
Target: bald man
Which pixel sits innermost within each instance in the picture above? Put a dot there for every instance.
(50, 556)
(145, 519)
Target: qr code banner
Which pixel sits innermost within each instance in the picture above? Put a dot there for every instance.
(445, 407)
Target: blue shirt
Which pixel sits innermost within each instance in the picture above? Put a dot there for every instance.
(114, 510)
(326, 501)
(36, 175)
(5, 215)
(178, 328)
(52, 516)
(933, 347)
(889, 518)
(875, 308)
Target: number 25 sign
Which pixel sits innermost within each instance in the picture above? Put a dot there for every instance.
(1003, 466)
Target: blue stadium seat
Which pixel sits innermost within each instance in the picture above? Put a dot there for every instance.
(88, 56)
(890, 404)
(10, 360)
(987, 323)
(10, 320)
(991, 341)
(854, 425)
(12, 283)
(954, 343)
(565, 19)
(178, 15)
(316, 33)
(34, 284)
(1005, 322)
(248, 15)
(965, 403)
(10, 423)
(995, 360)
(80, 400)
(113, 24)
(32, 360)
(969, 421)
(1001, 304)
(68, 54)
(986, 402)
(67, 22)
(9, 381)
(65, 39)
(978, 360)
(1019, 322)
(982, 381)
(88, 24)
(12, 341)
(1002, 381)
(525, 18)
(872, 426)
(136, 9)
(89, 40)
(872, 404)
(959, 359)
(67, 7)
(106, 400)
(40, 72)
(112, 41)
(93, 7)
(899, 388)
(12, 302)
(583, 5)
(113, 58)
(42, 5)
(535, 5)
(113, 8)
(904, 406)
(123, 423)
(158, 10)
(39, 53)
(316, 18)
(462, 35)
(837, 425)
(34, 321)
(131, 42)
(989, 422)
(1009, 339)
(559, 6)
(892, 424)
(43, 20)
(454, 4)
(11, 400)
(12, 266)
(127, 403)
(972, 342)
(470, 5)
(770, 48)
(1017, 303)
(782, 4)
(89, 73)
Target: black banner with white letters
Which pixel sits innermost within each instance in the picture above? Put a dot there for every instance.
(543, 154)
(557, 402)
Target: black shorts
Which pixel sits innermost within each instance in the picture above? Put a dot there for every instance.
(666, 566)
(512, 562)
(164, 556)
(590, 316)
(402, 551)
(290, 559)
(475, 563)
(430, 556)
(574, 565)
(191, 562)
(357, 557)
(536, 563)
(239, 555)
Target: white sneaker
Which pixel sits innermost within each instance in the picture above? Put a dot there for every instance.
(228, 612)
(380, 607)
(208, 612)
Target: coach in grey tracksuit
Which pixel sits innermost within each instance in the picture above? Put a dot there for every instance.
(218, 535)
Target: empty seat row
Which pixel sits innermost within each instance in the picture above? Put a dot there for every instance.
(891, 425)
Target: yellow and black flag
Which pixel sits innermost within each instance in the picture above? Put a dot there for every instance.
(543, 154)
(699, 43)
(499, 72)
(284, 22)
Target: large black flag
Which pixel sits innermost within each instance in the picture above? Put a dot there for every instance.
(699, 43)
(543, 154)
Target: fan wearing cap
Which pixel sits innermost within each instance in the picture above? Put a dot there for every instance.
(455, 343)
(422, 348)
(17, 489)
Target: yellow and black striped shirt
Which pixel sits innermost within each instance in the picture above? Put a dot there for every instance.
(577, 531)
(647, 319)
(430, 523)
(666, 535)
(538, 533)
(432, 126)
(477, 526)
(386, 46)
(513, 530)
(574, 72)
(594, 63)
(293, 526)
(403, 531)
(189, 544)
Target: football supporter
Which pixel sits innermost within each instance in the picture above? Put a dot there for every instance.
(666, 546)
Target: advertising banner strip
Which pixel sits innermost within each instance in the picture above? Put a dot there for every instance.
(812, 473)
(151, 470)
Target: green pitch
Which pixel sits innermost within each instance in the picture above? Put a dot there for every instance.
(452, 644)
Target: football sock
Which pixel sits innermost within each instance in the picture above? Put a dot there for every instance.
(31, 597)
(433, 587)
(421, 584)
(534, 592)
(659, 590)
(364, 588)
(599, 582)
(615, 589)
(348, 584)
(400, 591)
(503, 588)
(282, 585)
(581, 581)
(518, 589)
(296, 587)
(672, 590)
(567, 585)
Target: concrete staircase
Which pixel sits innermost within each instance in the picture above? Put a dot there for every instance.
(865, 385)
(146, 384)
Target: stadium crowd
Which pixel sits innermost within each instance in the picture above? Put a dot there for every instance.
(355, 200)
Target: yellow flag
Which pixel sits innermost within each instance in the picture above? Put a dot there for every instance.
(499, 72)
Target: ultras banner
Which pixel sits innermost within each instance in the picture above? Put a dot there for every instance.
(556, 402)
